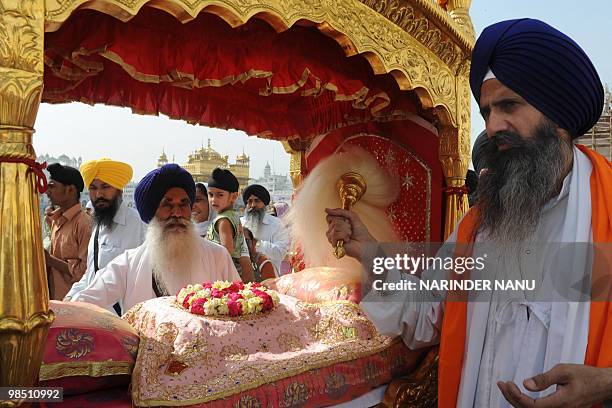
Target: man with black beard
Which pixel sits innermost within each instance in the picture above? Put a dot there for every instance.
(537, 91)
(269, 232)
(117, 228)
(172, 256)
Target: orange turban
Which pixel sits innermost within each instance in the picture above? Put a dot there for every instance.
(115, 173)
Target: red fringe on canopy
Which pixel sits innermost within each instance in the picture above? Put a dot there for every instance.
(276, 85)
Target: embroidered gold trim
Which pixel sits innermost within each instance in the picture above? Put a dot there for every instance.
(349, 353)
(81, 368)
(255, 384)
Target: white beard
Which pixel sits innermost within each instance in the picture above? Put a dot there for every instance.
(174, 254)
(253, 221)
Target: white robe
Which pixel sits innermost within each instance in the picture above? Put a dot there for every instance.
(127, 279)
(272, 238)
(127, 232)
(508, 339)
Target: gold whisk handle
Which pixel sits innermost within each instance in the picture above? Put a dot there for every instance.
(339, 251)
(351, 187)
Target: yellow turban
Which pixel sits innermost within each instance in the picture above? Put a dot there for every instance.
(115, 173)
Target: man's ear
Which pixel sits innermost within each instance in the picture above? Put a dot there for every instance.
(74, 192)
(565, 135)
(234, 196)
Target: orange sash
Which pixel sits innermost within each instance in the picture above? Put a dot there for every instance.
(599, 346)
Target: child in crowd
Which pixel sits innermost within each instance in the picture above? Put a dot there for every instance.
(226, 228)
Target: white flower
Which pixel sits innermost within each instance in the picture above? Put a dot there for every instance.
(220, 285)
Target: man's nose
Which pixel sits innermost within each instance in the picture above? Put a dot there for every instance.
(495, 124)
(176, 211)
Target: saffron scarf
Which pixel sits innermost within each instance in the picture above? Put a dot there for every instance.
(599, 346)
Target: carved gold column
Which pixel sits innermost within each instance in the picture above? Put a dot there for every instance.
(296, 149)
(455, 152)
(459, 12)
(24, 297)
(454, 173)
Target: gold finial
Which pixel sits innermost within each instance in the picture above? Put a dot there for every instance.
(351, 187)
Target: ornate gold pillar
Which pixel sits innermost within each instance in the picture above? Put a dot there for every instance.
(24, 297)
(459, 12)
(296, 148)
(455, 154)
(454, 168)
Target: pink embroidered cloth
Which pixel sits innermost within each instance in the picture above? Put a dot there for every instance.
(185, 359)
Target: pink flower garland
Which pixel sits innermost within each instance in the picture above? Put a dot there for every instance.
(223, 298)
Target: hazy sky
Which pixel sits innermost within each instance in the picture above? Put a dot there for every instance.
(97, 131)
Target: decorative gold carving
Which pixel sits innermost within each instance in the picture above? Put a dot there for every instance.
(459, 12)
(416, 23)
(296, 149)
(419, 44)
(455, 154)
(21, 29)
(419, 389)
(24, 300)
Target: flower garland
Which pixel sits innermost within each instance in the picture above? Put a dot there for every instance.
(223, 298)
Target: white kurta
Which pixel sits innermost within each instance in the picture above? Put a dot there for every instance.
(127, 279)
(509, 338)
(272, 239)
(128, 231)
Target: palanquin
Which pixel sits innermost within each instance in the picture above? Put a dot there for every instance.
(390, 76)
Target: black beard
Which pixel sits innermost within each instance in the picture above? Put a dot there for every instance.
(104, 216)
(519, 181)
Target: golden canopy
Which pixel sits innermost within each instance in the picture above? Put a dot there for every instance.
(422, 45)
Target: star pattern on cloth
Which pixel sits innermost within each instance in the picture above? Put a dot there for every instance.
(390, 160)
(408, 181)
(408, 213)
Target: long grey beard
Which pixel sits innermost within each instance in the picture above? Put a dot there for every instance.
(173, 254)
(520, 181)
(254, 217)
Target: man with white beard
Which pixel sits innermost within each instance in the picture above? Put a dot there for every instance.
(271, 237)
(173, 254)
(537, 91)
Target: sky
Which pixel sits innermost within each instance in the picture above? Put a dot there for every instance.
(91, 132)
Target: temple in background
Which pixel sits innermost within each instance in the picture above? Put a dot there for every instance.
(279, 185)
(203, 161)
(599, 138)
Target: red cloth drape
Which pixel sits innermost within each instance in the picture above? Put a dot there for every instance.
(276, 85)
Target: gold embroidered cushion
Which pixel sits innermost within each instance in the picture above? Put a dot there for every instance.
(319, 284)
(88, 348)
(191, 359)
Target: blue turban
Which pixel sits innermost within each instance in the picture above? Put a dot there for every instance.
(545, 67)
(151, 189)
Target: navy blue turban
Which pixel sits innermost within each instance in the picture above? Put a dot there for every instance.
(151, 189)
(545, 67)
